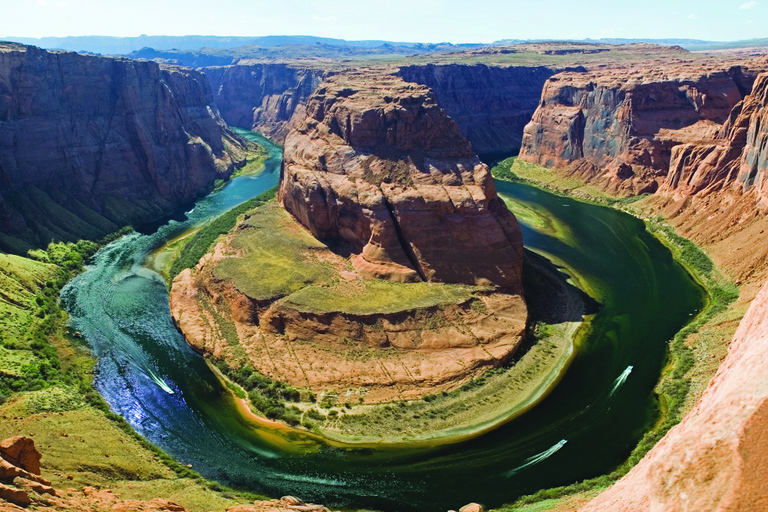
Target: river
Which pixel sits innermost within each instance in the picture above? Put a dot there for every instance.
(585, 427)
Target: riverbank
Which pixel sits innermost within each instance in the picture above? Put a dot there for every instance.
(694, 353)
(47, 377)
(559, 317)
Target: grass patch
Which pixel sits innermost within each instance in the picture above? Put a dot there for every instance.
(280, 259)
(515, 170)
(207, 235)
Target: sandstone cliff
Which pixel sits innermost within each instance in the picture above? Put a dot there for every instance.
(617, 126)
(88, 144)
(377, 163)
(737, 158)
(263, 96)
(716, 458)
(491, 104)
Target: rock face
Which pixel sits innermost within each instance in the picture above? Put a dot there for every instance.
(618, 126)
(737, 160)
(263, 96)
(717, 458)
(88, 144)
(378, 164)
(491, 104)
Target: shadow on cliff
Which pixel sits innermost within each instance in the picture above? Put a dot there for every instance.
(550, 297)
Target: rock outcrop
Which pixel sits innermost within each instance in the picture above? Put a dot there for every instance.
(378, 171)
(491, 104)
(88, 144)
(618, 126)
(263, 97)
(377, 163)
(717, 458)
(736, 160)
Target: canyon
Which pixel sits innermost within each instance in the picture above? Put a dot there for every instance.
(369, 155)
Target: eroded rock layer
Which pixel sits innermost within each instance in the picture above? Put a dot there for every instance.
(491, 104)
(405, 352)
(377, 163)
(88, 144)
(618, 126)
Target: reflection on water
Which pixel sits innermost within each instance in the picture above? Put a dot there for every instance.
(166, 391)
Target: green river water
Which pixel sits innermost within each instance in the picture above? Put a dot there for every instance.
(587, 426)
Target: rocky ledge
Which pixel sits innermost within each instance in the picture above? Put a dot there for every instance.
(22, 486)
(617, 125)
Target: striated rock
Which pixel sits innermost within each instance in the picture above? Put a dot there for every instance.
(88, 144)
(717, 458)
(14, 496)
(381, 356)
(379, 165)
(471, 507)
(618, 126)
(263, 96)
(20, 451)
(284, 504)
(735, 161)
(491, 104)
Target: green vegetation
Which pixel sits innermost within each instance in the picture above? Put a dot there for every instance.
(207, 235)
(497, 395)
(46, 390)
(282, 260)
(514, 169)
(267, 396)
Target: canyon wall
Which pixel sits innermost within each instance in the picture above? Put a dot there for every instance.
(491, 104)
(88, 144)
(618, 126)
(263, 97)
(376, 162)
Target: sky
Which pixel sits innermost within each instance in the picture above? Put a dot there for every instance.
(454, 21)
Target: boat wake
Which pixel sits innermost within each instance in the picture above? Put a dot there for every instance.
(621, 379)
(530, 461)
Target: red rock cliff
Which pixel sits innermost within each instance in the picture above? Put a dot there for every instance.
(618, 125)
(90, 143)
(377, 163)
(736, 161)
(263, 96)
(491, 104)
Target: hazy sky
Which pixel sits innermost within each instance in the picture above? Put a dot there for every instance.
(455, 21)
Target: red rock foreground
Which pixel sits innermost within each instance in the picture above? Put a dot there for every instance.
(717, 458)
